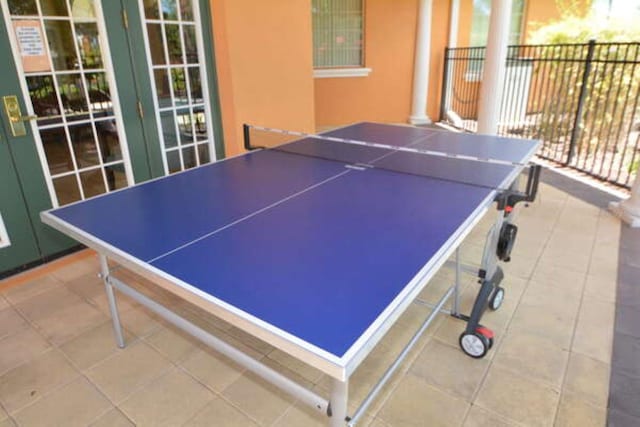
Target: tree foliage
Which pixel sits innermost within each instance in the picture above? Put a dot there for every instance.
(609, 110)
(580, 29)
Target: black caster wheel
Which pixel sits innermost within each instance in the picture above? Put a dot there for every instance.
(496, 299)
(475, 345)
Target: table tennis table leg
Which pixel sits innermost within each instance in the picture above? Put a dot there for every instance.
(111, 297)
(455, 303)
(339, 398)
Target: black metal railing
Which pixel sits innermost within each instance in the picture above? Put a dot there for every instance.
(581, 100)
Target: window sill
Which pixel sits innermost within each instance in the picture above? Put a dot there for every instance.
(325, 73)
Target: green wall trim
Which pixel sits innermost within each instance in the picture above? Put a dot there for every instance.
(214, 92)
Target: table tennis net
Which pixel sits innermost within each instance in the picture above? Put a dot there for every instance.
(357, 154)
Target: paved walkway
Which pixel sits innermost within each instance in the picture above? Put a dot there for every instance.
(550, 365)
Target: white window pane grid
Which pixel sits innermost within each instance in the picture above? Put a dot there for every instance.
(188, 114)
(338, 33)
(66, 116)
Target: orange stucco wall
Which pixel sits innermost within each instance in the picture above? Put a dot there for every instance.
(264, 64)
(385, 95)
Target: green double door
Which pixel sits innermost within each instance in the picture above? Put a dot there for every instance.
(95, 96)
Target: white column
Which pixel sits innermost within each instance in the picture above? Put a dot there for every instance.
(453, 42)
(453, 23)
(494, 67)
(629, 210)
(421, 66)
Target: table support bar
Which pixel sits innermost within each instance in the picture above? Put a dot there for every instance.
(303, 394)
(111, 298)
(390, 371)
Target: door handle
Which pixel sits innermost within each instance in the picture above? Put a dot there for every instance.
(22, 119)
(16, 119)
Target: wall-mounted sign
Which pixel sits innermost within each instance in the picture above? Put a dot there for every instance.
(33, 49)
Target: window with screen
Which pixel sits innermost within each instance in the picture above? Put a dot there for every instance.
(480, 22)
(338, 33)
(480, 30)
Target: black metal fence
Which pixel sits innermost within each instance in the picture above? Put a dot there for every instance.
(581, 100)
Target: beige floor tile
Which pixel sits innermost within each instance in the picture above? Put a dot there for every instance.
(601, 288)
(29, 289)
(45, 304)
(480, 417)
(172, 343)
(531, 240)
(449, 369)
(75, 404)
(93, 346)
(417, 403)
(11, 322)
(378, 422)
(413, 317)
(87, 286)
(212, 368)
(604, 260)
(574, 412)
(79, 268)
(140, 321)
(123, 302)
(221, 413)
(255, 397)
(397, 338)
(91, 287)
(449, 331)
(3, 302)
(60, 314)
(521, 266)
(556, 326)
(588, 379)
(32, 380)
(169, 400)
(577, 262)
(112, 418)
(302, 415)
(594, 331)
(563, 279)
(518, 398)
(292, 374)
(20, 348)
(552, 298)
(7, 422)
(604, 265)
(532, 356)
(128, 370)
(249, 340)
(472, 251)
(302, 369)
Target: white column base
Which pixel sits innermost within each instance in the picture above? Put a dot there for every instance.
(420, 120)
(620, 210)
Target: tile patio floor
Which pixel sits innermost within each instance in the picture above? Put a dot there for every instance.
(550, 365)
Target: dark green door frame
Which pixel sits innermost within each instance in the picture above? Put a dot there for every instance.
(25, 194)
(126, 39)
(23, 190)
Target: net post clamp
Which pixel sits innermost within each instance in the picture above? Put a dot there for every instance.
(507, 199)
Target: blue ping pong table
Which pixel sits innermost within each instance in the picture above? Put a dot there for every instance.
(315, 246)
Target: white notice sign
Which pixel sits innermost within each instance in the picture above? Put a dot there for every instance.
(33, 49)
(30, 41)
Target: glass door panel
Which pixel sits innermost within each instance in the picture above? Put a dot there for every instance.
(67, 81)
(178, 75)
